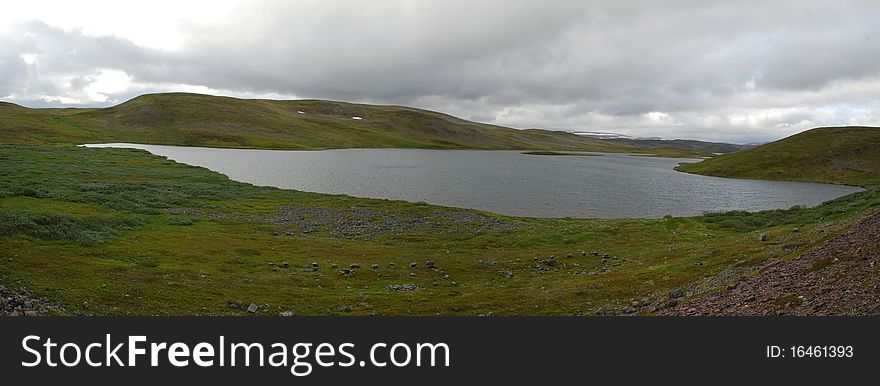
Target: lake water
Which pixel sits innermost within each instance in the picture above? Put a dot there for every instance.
(508, 182)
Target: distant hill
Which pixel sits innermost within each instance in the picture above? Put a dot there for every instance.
(655, 143)
(204, 120)
(840, 155)
(685, 144)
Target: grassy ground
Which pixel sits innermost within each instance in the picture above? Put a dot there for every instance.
(838, 155)
(203, 120)
(123, 232)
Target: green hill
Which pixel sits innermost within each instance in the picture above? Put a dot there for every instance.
(839, 155)
(203, 120)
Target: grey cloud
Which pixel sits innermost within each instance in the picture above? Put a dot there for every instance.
(740, 71)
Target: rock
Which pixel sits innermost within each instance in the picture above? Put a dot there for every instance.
(446, 277)
(375, 266)
(762, 237)
(413, 265)
(402, 287)
(552, 257)
(346, 272)
(583, 253)
(286, 313)
(412, 273)
(594, 253)
(429, 264)
(235, 304)
(252, 308)
(355, 265)
(285, 264)
(507, 274)
(568, 255)
(392, 265)
(454, 284)
(676, 293)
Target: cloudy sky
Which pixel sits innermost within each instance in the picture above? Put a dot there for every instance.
(737, 71)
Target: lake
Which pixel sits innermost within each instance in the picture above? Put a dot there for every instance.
(507, 182)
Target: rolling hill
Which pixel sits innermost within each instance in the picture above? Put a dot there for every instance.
(684, 144)
(839, 155)
(203, 120)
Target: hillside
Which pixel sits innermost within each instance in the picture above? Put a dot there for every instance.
(839, 155)
(203, 120)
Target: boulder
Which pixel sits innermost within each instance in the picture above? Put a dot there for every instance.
(403, 287)
(252, 308)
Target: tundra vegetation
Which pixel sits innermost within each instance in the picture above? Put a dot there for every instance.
(123, 232)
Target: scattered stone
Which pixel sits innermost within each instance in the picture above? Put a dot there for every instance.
(375, 266)
(429, 264)
(568, 255)
(346, 272)
(676, 293)
(412, 273)
(594, 253)
(583, 253)
(403, 287)
(392, 265)
(252, 308)
(454, 284)
(235, 304)
(354, 265)
(334, 266)
(286, 313)
(413, 265)
(507, 274)
(446, 277)
(762, 237)
(285, 264)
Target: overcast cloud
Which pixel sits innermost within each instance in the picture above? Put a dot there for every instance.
(743, 71)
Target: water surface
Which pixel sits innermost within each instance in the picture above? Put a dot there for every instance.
(508, 182)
